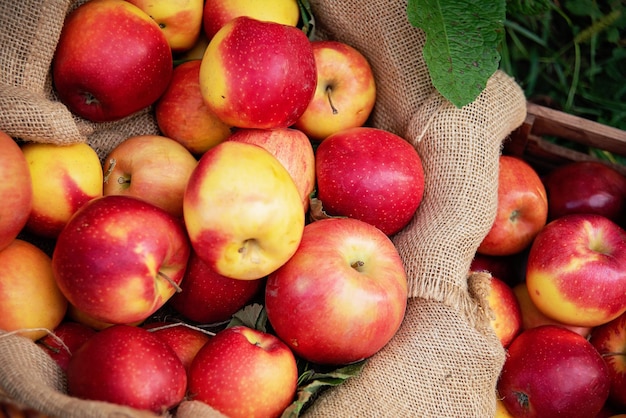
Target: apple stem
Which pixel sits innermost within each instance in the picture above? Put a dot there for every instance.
(172, 282)
(357, 265)
(329, 90)
(107, 174)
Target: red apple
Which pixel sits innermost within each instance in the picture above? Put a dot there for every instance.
(120, 258)
(343, 294)
(243, 211)
(552, 372)
(128, 366)
(31, 301)
(208, 297)
(370, 174)
(68, 337)
(522, 209)
(111, 60)
(217, 13)
(17, 194)
(76, 315)
(345, 93)
(507, 315)
(184, 340)
(610, 341)
(586, 187)
(258, 74)
(242, 372)
(151, 167)
(576, 271)
(533, 317)
(292, 148)
(182, 114)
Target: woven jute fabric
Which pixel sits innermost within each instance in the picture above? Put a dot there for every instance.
(445, 359)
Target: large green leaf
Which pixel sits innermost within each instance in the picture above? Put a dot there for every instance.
(462, 39)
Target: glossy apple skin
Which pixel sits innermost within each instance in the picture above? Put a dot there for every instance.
(208, 297)
(72, 334)
(533, 317)
(129, 366)
(343, 294)
(98, 34)
(522, 209)
(507, 320)
(242, 211)
(551, 371)
(217, 13)
(182, 114)
(17, 194)
(243, 372)
(257, 74)
(110, 259)
(29, 293)
(154, 168)
(586, 187)
(610, 341)
(64, 178)
(576, 270)
(292, 148)
(184, 340)
(345, 94)
(370, 174)
(180, 20)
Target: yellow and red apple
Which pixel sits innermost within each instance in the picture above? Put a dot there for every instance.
(243, 211)
(345, 94)
(180, 20)
(507, 315)
(31, 300)
(64, 178)
(16, 191)
(182, 114)
(154, 168)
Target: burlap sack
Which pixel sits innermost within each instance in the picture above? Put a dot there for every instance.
(445, 359)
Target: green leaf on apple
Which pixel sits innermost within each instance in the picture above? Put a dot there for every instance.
(462, 38)
(311, 383)
(307, 20)
(252, 316)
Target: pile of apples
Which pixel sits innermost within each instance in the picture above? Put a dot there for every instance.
(210, 216)
(557, 254)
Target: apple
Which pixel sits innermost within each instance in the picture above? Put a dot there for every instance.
(551, 371)
(243, 211)
(195, 53)
(119, 259)
(17, 194)
(112, 60)
(292, 148)
(180, 20)
(64, 178)
(183, 339)
(258, 74)
(610, 341)
(151, 167)
(65, 339)
(522, 209)
(182, 115)
(345, 94)
(243, 372)
(501, 411)
(507, 315)
(533, 317)
(76, 315)
(31, 300)
(128, 366)
(208, 297)
(576, 270)
(217, 13)
(586, 187)
(343, 294)
(370, 174)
